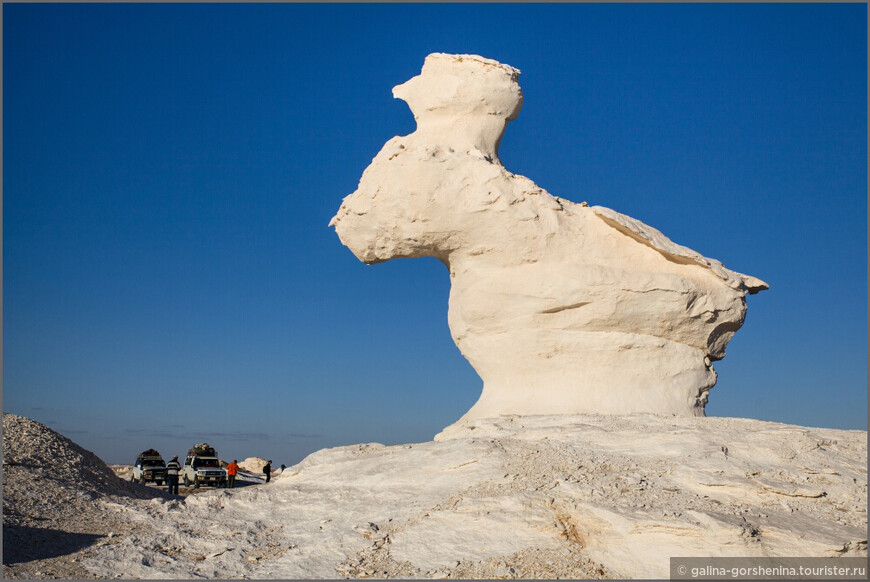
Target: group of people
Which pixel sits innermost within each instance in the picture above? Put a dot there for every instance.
(233, 470)
(173, 469)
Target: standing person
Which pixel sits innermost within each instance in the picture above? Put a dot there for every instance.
(267, 470)
(232, 470)
(172, 469)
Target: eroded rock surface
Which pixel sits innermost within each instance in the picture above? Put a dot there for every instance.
(570, 496)
(559, 307)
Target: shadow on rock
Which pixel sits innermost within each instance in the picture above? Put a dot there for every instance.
(24, 544)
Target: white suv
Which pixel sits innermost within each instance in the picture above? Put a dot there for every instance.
(203, 471)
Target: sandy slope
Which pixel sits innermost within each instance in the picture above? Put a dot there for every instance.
(572, 496)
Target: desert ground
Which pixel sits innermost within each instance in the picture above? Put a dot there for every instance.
(574, 496)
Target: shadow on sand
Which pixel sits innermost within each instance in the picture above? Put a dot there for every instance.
(238, 484)
(23, 544)
(185, 490)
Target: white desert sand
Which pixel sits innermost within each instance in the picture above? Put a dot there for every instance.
(581, 496)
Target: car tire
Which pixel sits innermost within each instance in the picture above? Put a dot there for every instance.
(142, 480)
(186, 481)
(159, 483)
(196, 482)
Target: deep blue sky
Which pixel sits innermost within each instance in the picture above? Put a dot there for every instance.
(169, 172)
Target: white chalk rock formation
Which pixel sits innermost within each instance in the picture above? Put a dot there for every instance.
(560, 307)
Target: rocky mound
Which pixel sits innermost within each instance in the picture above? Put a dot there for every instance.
(53, 491)
(50, 456)
(253, 465)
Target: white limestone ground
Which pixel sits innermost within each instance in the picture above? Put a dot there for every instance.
(581, 496)
(559, 307)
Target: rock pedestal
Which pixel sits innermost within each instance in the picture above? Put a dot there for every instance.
(560, 307)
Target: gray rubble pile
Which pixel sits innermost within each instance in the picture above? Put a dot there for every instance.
(55, 494)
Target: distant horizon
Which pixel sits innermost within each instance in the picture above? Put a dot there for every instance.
(170, 170)
(277, 464)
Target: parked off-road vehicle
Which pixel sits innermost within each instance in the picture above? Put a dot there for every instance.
(149, 467)
(202, 467)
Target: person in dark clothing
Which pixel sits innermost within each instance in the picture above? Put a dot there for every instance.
(267, 470)
(283, 466)
(172, 469)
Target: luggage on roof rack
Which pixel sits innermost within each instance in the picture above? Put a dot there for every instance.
(149, 453)
(202, 450)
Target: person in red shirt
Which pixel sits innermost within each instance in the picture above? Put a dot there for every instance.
(232, 470)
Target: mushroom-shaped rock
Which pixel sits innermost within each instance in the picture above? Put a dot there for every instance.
(560, 307)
